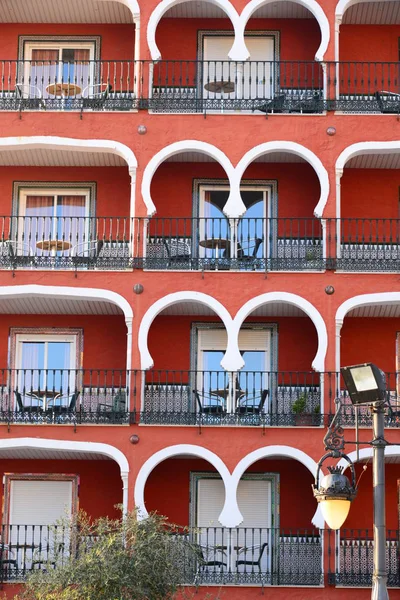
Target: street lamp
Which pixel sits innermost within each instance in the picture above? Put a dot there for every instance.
(366, 384)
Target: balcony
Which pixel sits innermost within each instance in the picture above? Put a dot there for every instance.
(214, 555)
(44, 242)
(354, 549)
(244, 244)
(64, 396)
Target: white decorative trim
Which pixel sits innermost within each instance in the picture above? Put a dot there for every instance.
(291, 148)
(287, 298)
(230, 515)
(81, 293)
(177, 148)
(232, 360)
(269, 452)
(311, 5)
(238, 50)
(355, 302)
(70, 144)
(343, 5)
(366, 148)
(235, 207)
(133, 6)
(86, 447)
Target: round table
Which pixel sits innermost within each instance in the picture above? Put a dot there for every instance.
(53, 246)
(220, 87)
(65, 90)
(216, 244)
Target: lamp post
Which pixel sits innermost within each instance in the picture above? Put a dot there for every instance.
(366, 384)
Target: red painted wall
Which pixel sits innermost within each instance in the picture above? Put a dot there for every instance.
(361, 197)
(299, 39)
(117, 41)
(370, 340)
(369, 42)
(113, 185)
(100, 481)
(167, 490)
(172, 186)
(104, 336)
(293, 332)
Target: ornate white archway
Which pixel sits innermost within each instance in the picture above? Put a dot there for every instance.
(238, 50)
(230, 515)
(270, 452)
(288, 298)
(95, 146)
(232, 359)
(178, 148)
(291, 148)
(368, 453)
(355, 302)
(76, 293)
(89, 448)
(311, 5)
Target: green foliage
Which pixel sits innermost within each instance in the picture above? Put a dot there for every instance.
(121, 559)
(299, 405)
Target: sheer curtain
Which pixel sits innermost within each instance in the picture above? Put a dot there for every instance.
(31, 374)
(72, 225)
(43, 69)
(76, 67)
(38, 221)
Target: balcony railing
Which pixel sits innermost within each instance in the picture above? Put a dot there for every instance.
(209, 555)
(176, 86)
(368, 244)
(64, 396)
(353, 551)
(44, 242)
(239, 244)
(80, 85)
(249, 398)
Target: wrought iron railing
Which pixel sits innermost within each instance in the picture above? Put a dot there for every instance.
(253, 244)
(251, 398)
(225, 85)
(35, 242)
(62, 396)
(257, 555)
(368, 244)
(80, 85)
(353, 557)
(364, 86)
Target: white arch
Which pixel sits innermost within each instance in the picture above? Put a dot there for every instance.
(285, 297)
(238, 50)
(177, 148)
(367, 453)
(79, 447)
(269, 452)
(72, 144)
(355, 302)
(311, 5)
(343, 5)
(232, 359)
(230, 515)
(291, 148)
(79, 293)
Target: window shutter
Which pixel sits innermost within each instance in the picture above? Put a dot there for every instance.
(210, 502)
(249, 339)
(39, 502)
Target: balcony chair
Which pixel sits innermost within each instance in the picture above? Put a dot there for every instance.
(206, 559)
(252, 406)
(18, 254)
(115, 412)
(95, 96)
(247, 251)
(29, 411)
(275, 105)
(393, 415)
(63, 407)
(388, 102)
(255, 561)
(86, 254)
(23, 101)
(209, 404)
(178, 253)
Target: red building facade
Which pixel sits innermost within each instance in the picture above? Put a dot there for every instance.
(200, 224)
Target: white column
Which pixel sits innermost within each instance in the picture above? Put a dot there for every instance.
(132, 173)
(339, 173)
(338, 22)
(137, 70)
(124, 477)
(337, 344)
(128, 322)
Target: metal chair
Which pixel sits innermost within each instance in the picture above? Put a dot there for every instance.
(393, 416)
(255, 561)
(29, 411)
(274, 105)
(95, 96)
(64, 406)
(20, 254)
(207, 557)
(115, 412)
(252, 406)
(86, 254)
(388, 102)
(6, 562)
(208, 404)
(178, 252)
(25, 101)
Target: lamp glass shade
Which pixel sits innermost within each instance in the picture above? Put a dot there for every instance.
(335, 512)
(364, 379)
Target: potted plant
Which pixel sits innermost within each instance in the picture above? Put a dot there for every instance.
(299, 409)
